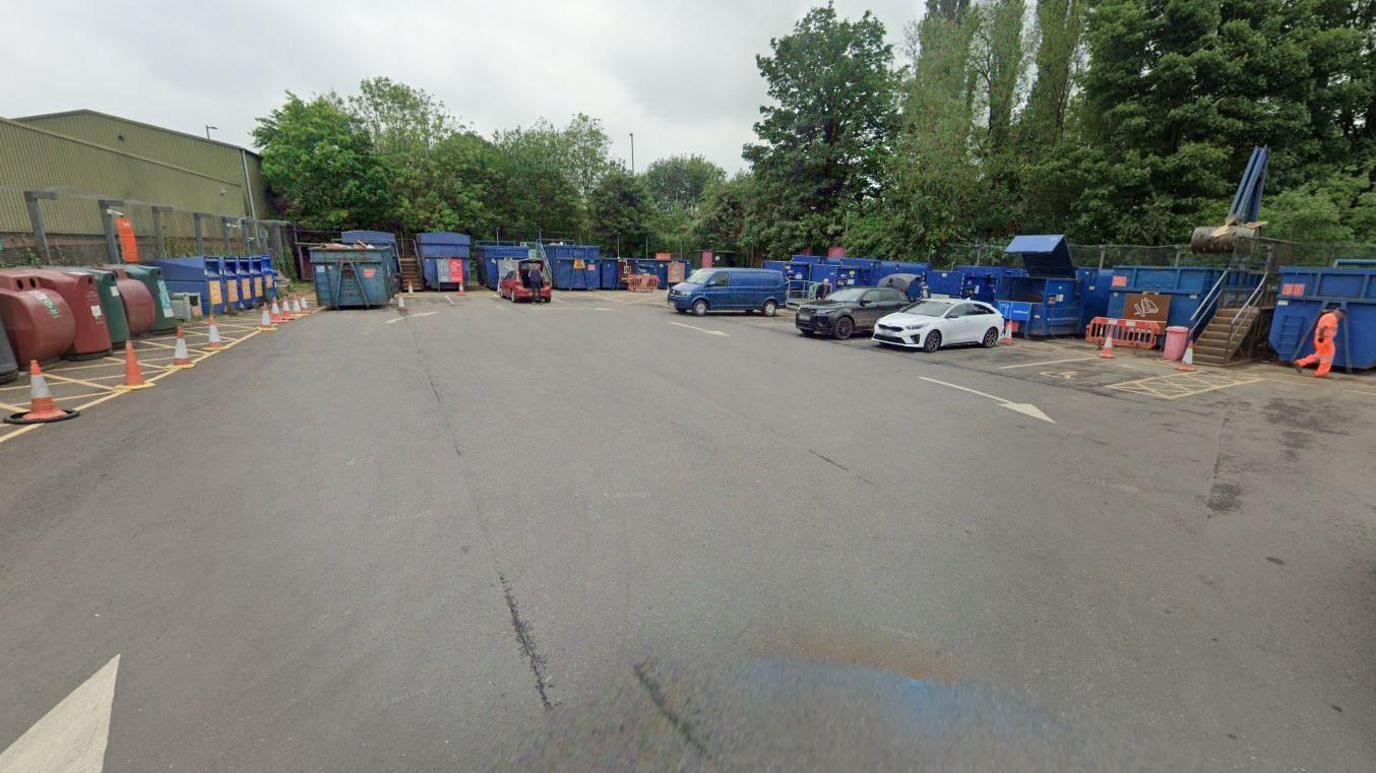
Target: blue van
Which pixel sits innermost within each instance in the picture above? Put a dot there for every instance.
(730, 289)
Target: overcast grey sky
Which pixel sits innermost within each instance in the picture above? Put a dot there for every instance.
(681, 75)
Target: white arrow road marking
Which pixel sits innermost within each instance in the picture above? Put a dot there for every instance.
(71, 738)
(702, 329)
(1027, 409)
(422, 314)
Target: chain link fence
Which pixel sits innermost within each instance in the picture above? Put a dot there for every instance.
(1256, 252)
(81, 229)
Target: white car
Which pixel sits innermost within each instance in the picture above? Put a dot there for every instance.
(932, 324)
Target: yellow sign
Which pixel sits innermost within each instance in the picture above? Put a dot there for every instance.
(257, 287)
(268, 278)
(578, 264)
(215, 299)
(233, 287)
(247, 289)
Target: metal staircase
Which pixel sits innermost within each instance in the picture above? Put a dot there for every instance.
(410, 273)
(1230, 326)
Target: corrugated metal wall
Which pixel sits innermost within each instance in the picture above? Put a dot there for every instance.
(33, 159)
(215, 159)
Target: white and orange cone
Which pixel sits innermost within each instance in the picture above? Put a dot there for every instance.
(296, 306)
(1187, 362)
(133, 375)
(1007, 337)
(401, 304)
(276, 312)
(266, 323)
(305, 303)
(1107, 352)
(42, 407)
(181, 358)
(410, 289)
(213, 333)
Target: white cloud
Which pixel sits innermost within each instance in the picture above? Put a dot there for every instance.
(681, 75)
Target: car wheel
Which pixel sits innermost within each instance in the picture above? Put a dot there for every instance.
(700, 308)
(769, 308)
(933, 341)
(991, 338)
(843, 328)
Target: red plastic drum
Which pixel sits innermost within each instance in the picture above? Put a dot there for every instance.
(38, 322)
(138, 302)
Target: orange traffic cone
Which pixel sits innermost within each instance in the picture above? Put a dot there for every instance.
(42, 407)
(305, 303)
(265, 324)
(401, 304)
(181, 358)
(1007, 337)
(1107, 352)
(1187, 362)
(276, 312)
(133, 376)
(296, 306)
(410, 290)
(214, 335)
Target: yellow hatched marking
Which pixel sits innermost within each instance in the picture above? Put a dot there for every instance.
(83, 382)
(1178, 385)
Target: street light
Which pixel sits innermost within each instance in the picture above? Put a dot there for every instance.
(632, 152)
(208, 127)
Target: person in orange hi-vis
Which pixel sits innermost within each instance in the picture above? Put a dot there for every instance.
(1324, 349)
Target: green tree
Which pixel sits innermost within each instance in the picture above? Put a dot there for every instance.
(620, 210)
(681, 181)
(822, 141)
(534, 192)
(721, 222)
(432, 160)
(320, 162)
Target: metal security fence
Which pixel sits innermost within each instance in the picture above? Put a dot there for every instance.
(131, 230)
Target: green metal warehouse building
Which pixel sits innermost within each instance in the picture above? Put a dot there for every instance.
(83, 156)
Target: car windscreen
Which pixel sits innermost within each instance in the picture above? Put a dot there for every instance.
(700, 276)
(927, 308)
(848, 295)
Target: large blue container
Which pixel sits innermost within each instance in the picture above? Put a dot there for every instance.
(825, 272)
(890, 267)
(867, 270)
(798, 271)
(808, 259)
(981, 282)
(609, 274)
(950, 283)
(659, 268)
(575, 273)
(1187, 287)
(380, 239)
(195, 275)
(1306, 292)
(1092, 285)
(1043, 306)
(352, 278)
(851, 276)
(435, 249)
(492, 256)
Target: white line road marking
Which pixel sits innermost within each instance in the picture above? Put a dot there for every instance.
(422, 314)
(70, 738)
(1047, 362)
(451, 300)
(1027, 409)
(701, 329)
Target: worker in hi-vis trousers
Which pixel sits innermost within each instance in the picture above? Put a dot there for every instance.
(1324, 332)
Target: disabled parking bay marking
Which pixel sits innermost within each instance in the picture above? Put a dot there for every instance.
(701, 329)
(1027, 409)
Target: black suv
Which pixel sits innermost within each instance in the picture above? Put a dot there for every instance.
(848, 310)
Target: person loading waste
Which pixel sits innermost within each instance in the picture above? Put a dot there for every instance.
(1324, 332)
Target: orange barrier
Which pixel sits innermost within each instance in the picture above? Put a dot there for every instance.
(642, 283)
(1131, 333)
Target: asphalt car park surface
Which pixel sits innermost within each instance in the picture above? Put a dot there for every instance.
(596, 532)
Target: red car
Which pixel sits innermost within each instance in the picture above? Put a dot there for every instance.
(516, 285)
